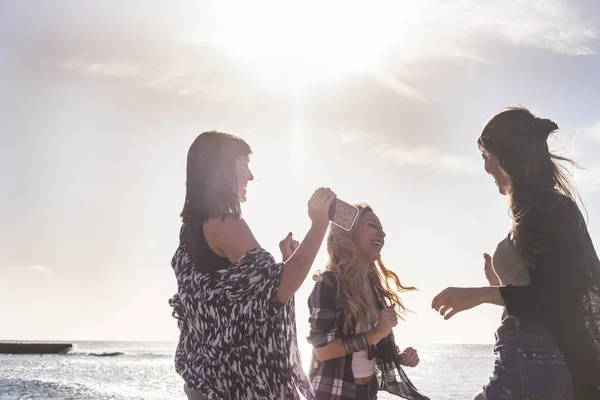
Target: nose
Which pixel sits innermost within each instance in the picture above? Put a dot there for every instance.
(381, 234)
(250, 176)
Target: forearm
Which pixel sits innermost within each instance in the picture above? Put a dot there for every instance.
(491, 295)
(336, 348)
(298, 266)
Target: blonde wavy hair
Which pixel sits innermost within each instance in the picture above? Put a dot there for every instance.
(346, 263)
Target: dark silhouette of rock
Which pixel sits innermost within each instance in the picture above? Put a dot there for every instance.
(34, 348)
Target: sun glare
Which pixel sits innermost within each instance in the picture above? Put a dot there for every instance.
(293, 43)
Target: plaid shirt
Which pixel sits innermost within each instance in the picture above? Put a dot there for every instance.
(334, 379)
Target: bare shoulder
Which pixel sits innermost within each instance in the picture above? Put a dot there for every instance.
(223, 227)
(229, 237)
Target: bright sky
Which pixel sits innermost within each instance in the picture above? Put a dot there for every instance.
(101, 99)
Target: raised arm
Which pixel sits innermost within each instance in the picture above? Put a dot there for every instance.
(232, 238)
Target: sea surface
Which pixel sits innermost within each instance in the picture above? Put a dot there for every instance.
(143, 370)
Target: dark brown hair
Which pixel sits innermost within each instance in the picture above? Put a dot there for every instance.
(211, 187)
(519, 140)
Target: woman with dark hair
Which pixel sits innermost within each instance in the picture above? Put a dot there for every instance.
(353, 307)
(234, 303)
(552, 271)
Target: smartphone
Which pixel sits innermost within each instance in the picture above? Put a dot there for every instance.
(343, 214)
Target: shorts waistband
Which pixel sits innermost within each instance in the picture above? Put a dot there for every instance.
(511, 323)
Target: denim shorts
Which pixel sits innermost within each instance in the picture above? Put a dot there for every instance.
(528, 365)
(367, 391)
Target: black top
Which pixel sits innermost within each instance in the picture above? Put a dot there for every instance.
(203, 257)
(564, 293)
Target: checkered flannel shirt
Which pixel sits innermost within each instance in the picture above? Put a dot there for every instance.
(333, 379)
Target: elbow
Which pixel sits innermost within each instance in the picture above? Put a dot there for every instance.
(320, 354)
(282, 297)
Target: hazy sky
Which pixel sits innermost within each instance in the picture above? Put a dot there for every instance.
(100, 100)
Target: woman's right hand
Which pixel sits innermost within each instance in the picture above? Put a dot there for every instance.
(388, 319)
(318, 206)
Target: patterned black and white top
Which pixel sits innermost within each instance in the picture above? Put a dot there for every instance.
(333, 379)
(237, 342)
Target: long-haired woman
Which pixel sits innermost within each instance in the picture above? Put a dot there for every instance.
(353, 307)
(549, 270)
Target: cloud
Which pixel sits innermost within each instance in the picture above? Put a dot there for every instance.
(415, 156)
(432, 159)
(553, 25)
(451, 30)
(142, 74)
(30, 268)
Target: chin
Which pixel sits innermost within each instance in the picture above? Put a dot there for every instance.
(372, 258)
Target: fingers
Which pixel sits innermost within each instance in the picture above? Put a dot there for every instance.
(487, 260)
(410, 357)
(329, 199)
(451, 313)
(444, 310)
(285, 243)
(388, 316)
(323, 196)
(439, 300)
(444, 304)
(387, 311)
(295, 245)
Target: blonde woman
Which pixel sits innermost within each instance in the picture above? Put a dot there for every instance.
(353, 308)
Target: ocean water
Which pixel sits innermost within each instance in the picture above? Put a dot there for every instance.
(142, 370)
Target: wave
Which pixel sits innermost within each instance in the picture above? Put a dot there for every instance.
(108, 354)
(73, 352)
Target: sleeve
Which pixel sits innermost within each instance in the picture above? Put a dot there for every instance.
(323, 313)
(554, 268)
(253, 281)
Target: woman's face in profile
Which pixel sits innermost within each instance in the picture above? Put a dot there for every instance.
(370, 237)
(492, 167)
(243, 175)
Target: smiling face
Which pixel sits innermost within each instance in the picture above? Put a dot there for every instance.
(369, 237)
(243, 176)
(492, 167)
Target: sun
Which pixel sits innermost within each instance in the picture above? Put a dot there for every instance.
(297, 43)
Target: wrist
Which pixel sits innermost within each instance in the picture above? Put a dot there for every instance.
(486, 294)
(319, 226)
(374, 335)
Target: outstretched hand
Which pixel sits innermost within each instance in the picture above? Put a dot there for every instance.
(453, 300)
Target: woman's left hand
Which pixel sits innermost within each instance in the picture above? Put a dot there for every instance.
(409, 357)
(288, 246)
(453, 300)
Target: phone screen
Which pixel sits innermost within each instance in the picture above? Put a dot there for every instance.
(343, 214)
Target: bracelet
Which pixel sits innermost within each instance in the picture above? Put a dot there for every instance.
(345, 342)
(371, 352)
(355, 343)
